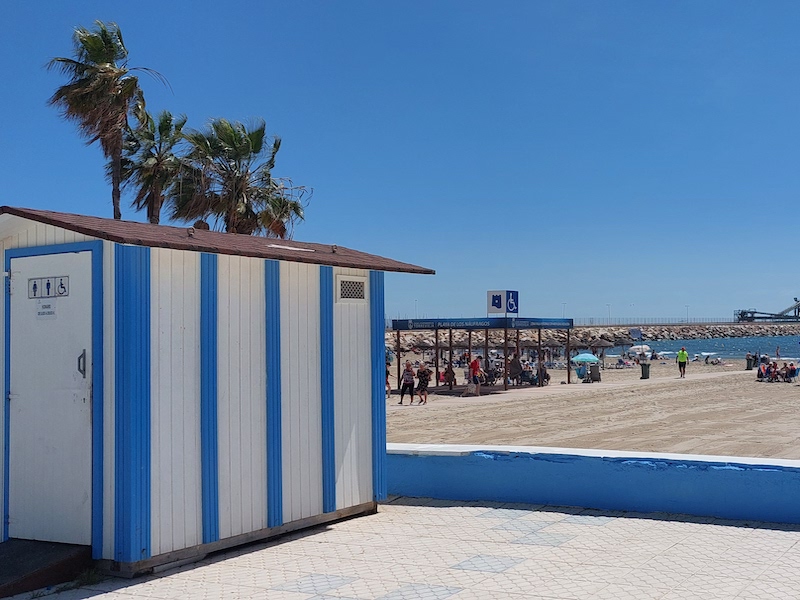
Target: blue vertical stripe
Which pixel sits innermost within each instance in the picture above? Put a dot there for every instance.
(326, 386)
(132, 403)
(98, 395)
(209, 451)
(96, 248)
(378, 354)
(272, 289)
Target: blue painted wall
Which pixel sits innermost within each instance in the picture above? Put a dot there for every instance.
(716, 489)
(272, 292)
(327, 378)
(209, 447)
(377, 325)
(132, 486)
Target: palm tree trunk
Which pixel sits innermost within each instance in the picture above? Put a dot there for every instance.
(154, 208)
(116, 177)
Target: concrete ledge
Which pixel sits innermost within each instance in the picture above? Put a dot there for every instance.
(709, 486)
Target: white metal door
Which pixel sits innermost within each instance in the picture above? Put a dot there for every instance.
(50, 441)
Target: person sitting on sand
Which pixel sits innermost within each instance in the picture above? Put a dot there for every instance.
(449, 376)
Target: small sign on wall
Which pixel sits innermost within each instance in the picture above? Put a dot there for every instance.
(46, 309)
(48, 287)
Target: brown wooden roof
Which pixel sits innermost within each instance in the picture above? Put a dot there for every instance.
(197, 240)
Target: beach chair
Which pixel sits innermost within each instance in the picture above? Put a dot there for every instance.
(580, 371)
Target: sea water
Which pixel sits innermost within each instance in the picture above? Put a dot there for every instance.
(731, 348)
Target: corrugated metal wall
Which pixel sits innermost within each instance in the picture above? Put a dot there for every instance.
(301, 429)
(242, 389)
(175, 392)
(351, 335)
(241, 464)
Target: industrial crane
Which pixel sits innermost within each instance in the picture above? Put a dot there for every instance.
(749, 315)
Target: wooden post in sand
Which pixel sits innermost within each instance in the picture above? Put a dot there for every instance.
(505, 357)
(436, 356)
(517, 343)
(486, 348)
(539, 357)
(569, 370)
(397, 353)
(450, 364)
(469, 345)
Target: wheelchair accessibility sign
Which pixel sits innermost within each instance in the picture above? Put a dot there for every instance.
(502, 302)
(48, 287)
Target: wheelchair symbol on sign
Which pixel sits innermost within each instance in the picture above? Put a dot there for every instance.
(512, 305)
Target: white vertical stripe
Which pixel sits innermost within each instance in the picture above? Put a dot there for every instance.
(301, 404)
(242, 396)
(352, 360)
(176, 519)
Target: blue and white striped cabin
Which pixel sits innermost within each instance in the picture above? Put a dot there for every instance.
(171, 392)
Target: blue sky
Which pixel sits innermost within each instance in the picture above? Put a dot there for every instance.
(623, 156)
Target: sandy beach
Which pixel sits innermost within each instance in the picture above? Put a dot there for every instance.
(719, 410)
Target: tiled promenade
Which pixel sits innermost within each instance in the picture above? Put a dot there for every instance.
(432, 550)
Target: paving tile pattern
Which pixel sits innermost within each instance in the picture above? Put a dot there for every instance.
(421, 549)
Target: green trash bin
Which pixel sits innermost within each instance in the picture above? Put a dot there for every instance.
(645, 371)
(749, 366)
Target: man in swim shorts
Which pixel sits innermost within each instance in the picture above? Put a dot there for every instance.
(682, 359)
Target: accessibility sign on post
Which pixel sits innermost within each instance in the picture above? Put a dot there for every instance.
(502, 302)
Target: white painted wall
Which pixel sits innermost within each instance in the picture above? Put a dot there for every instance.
(39, 234)
(301, 404)
(242, 396)
(176, 497)
(353, 412)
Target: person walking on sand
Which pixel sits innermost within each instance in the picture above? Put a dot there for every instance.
(424, 376)
(682, 359)
(407, 383)
(475, 375)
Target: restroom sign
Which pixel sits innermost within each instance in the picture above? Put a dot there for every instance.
(48, 287)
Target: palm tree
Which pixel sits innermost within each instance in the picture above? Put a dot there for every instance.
(99, 94)
(227, 175)
(149, 164)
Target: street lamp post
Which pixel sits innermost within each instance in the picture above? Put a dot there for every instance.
(687, 313)
(608, 306)
(563, 309)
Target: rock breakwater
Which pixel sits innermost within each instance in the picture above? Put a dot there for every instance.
(584, 335)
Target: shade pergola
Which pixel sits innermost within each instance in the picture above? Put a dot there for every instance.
(484, 325)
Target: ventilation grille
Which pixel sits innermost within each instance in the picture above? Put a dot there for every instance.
(350, 289)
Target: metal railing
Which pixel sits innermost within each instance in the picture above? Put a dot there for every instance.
(635, 321)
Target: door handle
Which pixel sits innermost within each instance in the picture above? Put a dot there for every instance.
(82, 363)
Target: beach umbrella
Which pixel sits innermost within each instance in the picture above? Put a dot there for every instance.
(585, 358)
(640, 349)
(600, 343)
